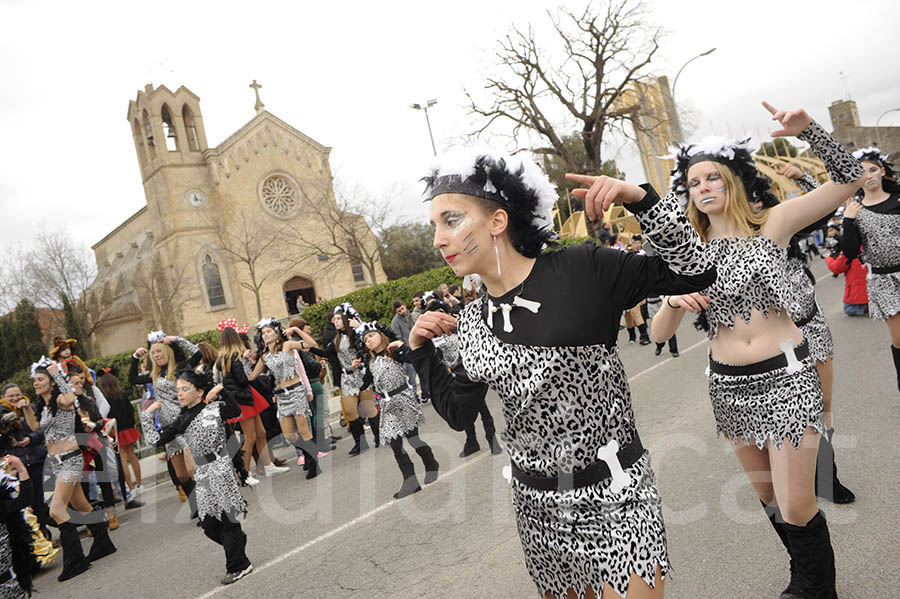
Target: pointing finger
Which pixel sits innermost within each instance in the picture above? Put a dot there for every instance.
(769, 107)
(583, 179)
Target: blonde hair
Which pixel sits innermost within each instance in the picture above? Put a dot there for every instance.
(169, 365)
(231, 346)
(737, 207)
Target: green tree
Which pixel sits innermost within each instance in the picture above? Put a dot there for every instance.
(27, 339)
(407, 249)
(70, 321)
(779, 146)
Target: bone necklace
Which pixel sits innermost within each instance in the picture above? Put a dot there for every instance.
(505, 309)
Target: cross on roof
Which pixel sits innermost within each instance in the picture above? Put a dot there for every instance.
(259, 105)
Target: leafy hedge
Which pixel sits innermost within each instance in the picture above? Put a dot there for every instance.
(377, 302)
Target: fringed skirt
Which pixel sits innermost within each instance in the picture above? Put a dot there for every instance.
(293, 402)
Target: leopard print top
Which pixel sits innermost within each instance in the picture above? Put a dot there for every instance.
(282, 365)
(448, 345)
(880, 237)
(751, 277)
(60, 427)
(803, 292)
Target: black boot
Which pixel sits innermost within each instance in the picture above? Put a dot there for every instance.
(828, 486)
(795, 585)
(188, 487)
(410, 482)
(74, 560)
(102, 545)
(356, 429)
(631, 336)
(431, 464)
(645, 338)
(375, 424)
(311, 464)
(659, 348)
(471, 445)
(895, 351)
(673, 346)
(814, 557)
(490, 433)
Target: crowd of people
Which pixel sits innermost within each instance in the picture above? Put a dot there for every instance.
(540, 329)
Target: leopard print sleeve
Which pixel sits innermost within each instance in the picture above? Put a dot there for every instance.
(186, 346)
(149, 427)
(841, 165)
(671, 235)
(806, 183)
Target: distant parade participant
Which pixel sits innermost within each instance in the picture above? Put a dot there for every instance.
(447, 347)
(355, 384)
(59, 422)
(873, 222)
(543, 336)
(763, 384)
(63, 352)
(165, 353)
(293, 391)
(810, 318)
(17, 559)
(203, 423)
(401, 411)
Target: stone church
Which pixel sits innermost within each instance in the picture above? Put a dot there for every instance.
(201, 249)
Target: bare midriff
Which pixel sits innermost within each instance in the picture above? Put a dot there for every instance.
(755, 341)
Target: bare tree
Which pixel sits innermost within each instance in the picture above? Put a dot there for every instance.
(602, 52)
(56, 267)
(159, 284)
(254, 243)
(349, 222)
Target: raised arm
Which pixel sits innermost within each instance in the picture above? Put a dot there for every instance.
(257, 369)
(66, 397)
(845, 171)
(133, 377)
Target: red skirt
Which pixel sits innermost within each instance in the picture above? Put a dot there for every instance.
(128, 436)
(259, 405)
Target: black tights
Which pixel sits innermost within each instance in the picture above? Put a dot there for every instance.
(227, 533)
(106, 490)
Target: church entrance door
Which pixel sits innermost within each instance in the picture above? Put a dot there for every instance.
(298, 287)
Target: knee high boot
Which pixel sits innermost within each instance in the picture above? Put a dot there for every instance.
(814, 557)
(471, 445)
(311, 461)
(102, 545)
(431, 465)
(188, 487)
(795, 585)
(375, 424)
(74, 560)
(410, 482)
(827, 484)
(895, 351)
(356, 429)
(631, 336)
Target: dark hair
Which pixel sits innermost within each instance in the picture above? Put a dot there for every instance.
(109, 385)
(74, 368)
(208, 353)
(397, 304)
(245, 339)
(9, 386)
(418, 294)
(200, 380)
(453, 289)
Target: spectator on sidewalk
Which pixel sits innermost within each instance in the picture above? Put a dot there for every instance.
(402, 324)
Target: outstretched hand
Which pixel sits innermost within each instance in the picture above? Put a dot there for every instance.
(793, 122)
(603, 192)
(430, 325)
(788, 170)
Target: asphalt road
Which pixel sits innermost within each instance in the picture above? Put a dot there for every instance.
(342, 535)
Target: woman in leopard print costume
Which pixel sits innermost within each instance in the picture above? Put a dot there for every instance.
(401, 412)
(203, 422)
(873, 222)
(762, 379)
(587, 507)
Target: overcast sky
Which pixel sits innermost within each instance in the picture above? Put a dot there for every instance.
(345, 74)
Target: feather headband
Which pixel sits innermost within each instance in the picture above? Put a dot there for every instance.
(736, 154)
(43, 364)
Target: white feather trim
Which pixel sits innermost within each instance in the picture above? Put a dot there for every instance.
(267, 322)
(155, 336)
(44, 362)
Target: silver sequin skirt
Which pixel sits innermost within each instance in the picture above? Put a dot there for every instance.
(292, 402)
(67, 470)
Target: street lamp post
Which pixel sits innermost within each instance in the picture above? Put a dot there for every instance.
(675, 82)
(425, 108)
(878, 133)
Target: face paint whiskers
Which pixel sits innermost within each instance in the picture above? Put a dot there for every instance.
(471, 247)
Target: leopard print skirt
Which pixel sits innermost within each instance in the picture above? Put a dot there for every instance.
(217, 491)
(292, 402)
(68, 470)
(591, 536)
(818, 334)
(884, 295)
(769, 406)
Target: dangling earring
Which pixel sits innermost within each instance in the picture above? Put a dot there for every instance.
(496, 253)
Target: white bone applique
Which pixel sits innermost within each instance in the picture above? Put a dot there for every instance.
(517, 302)
(620, 478)
(507, 473)
(794, 365)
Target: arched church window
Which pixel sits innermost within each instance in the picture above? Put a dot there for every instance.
(279, 196)
(148, 133)
(213, 280)
(191, 129)
(169, 129)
